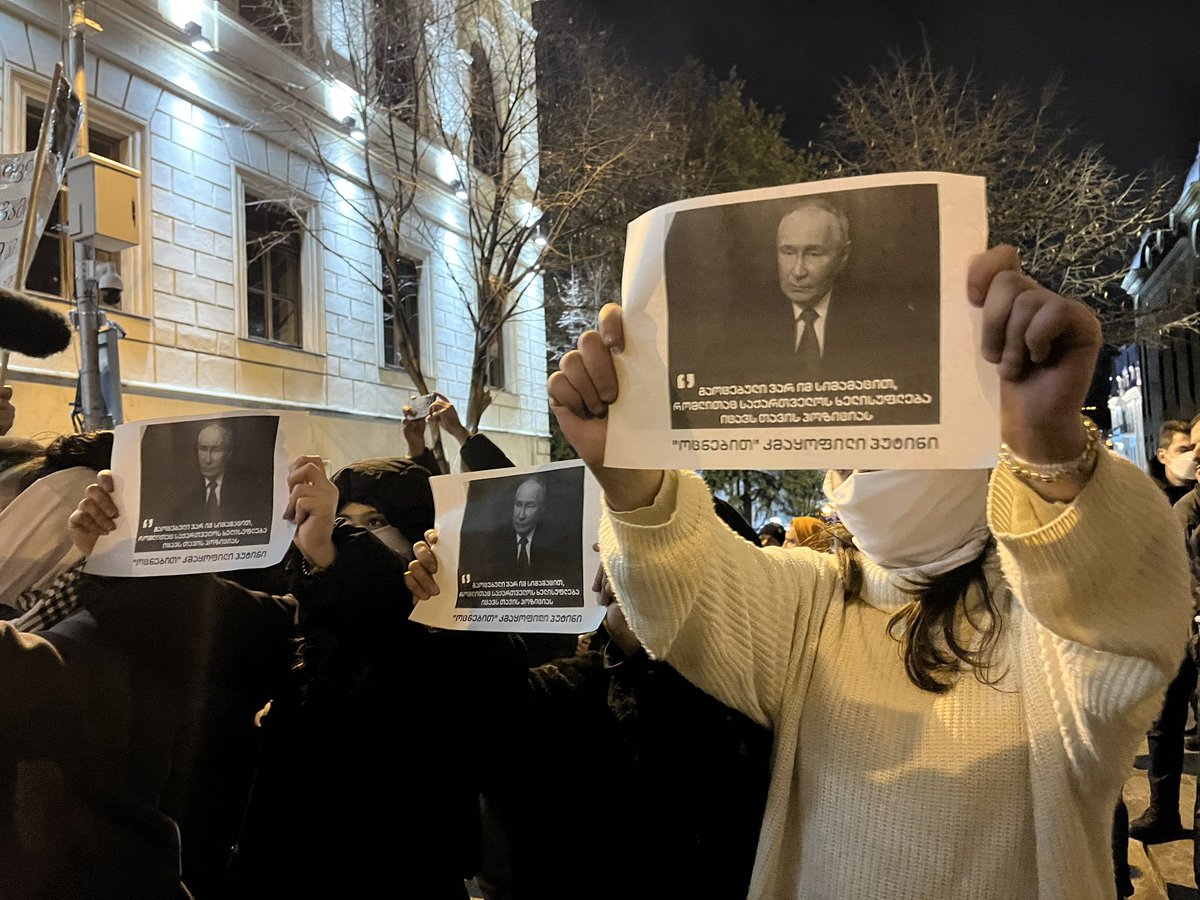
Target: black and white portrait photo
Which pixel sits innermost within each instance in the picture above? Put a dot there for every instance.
(831, 287)
(207, 480)
(521, 541)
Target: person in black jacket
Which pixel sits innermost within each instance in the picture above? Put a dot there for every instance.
(1165, 739)
(133, 748)
(477, 452)
(364, 786)
(678, 780)
(336, 805)
(1174, 468)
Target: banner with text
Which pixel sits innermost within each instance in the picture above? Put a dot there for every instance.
(24, 216)
(16, 186)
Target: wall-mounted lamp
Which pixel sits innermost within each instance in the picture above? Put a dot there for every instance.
(539, 237)
(460, 189)
(350, 126)
(195, 35)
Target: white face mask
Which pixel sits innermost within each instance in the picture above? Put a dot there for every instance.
(1182, 467)
(390, 537)
(919, 523)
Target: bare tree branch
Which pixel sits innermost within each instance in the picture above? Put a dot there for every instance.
(1074, 218)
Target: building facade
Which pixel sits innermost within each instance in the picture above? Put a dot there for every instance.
(256, 280)
(1152, 383)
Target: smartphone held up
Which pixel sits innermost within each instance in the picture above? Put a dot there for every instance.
(419, 406)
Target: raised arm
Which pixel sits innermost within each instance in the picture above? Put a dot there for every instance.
(581, 391)
(1044, 348)
(414, 437)
(727, 615)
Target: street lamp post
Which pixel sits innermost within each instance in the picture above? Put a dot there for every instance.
(87, 313)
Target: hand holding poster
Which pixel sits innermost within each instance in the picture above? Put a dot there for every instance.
(807, 326)
(515, 551)
(200, 494)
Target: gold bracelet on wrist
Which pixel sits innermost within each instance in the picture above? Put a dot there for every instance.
(309, 569)
(1048, 473)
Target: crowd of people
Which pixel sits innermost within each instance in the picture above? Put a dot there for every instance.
(941, 697)
(801, 531)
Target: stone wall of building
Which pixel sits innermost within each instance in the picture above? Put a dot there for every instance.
(203, 132)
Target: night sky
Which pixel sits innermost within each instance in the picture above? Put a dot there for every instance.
(1130, 71)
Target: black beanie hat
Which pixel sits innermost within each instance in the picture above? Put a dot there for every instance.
(397, 487)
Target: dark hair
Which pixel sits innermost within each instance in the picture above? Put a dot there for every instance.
(16, 451)
(774, 529)
(736, 522)
(92, 450)
(1169, 429)
(927, 627)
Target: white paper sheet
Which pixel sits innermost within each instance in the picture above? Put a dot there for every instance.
(491, 580)
(713, 297)
(201, 494)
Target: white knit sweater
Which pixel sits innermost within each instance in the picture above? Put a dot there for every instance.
(879, 789)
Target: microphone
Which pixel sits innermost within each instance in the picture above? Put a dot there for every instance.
(29, 328)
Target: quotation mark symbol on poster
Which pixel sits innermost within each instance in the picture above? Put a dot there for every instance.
(147, 523)
(685, 381)
(466, 579)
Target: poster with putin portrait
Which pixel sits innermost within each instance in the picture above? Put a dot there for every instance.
(201, 494)
(516, 551)
(807, 326)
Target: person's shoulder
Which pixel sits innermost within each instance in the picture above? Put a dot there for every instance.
(1188, 503)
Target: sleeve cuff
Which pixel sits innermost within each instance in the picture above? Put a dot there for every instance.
(657, 513)
(1084, 574)
(1030, 511)
(1015, 510)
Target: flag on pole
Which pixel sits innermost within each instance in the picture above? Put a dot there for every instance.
(29, 182)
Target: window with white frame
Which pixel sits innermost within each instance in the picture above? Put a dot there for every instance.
(401, 309)
(274, 247)
(392, 84)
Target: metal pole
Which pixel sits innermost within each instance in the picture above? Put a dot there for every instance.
(86, 299)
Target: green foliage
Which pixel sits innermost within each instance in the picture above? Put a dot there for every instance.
(760, 495)
(560, 447)
(730, 143)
